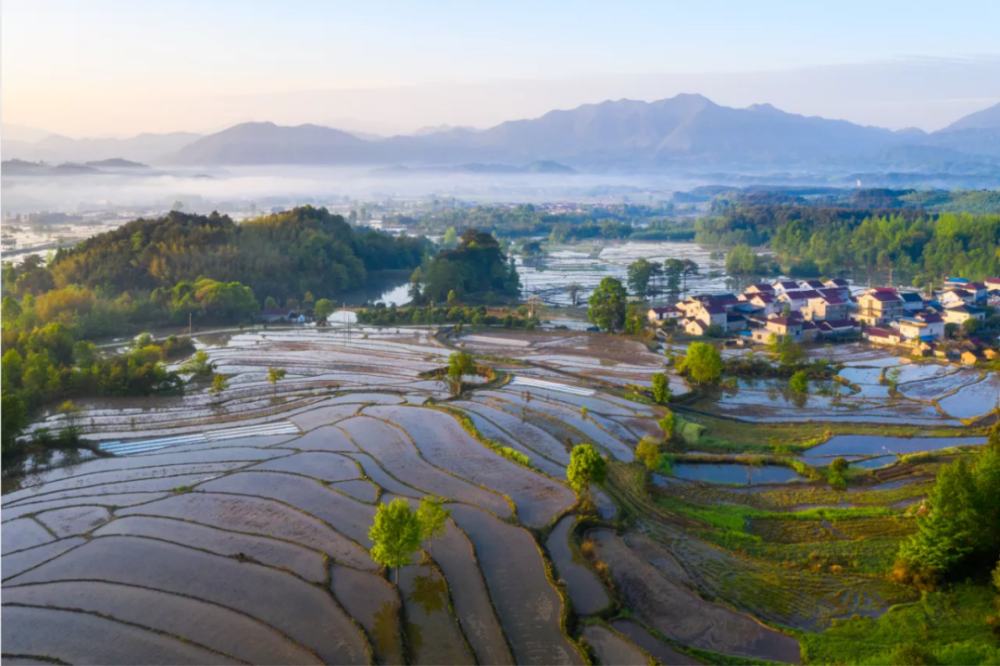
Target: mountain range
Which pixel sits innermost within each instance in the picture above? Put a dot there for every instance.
(687, 131)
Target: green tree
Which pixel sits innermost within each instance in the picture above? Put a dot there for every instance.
(635, 319)
(10, 311)
(199, 365)
(219, 384)
(638, 273)
(608, 305)
(586, 466)
(460, 364)
(324, 308)
(673, 269)
(703, 363)
(799, 382)
(415, 293)
(397, 534)
(452, 299)
(275, 375)
(13, 420)
(971, 325)
(947, 535)
(433, 519)
(450, 239)
(741, 260)
(647, 451)
(661, 388)
(270, 302)
(668, 424)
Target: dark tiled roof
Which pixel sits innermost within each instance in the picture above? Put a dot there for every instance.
(911, 297)
(885, 296)
(714, 309)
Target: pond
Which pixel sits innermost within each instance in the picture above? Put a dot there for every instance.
(846, 445)
(735, 473)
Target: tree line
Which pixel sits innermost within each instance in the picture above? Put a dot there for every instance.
(922, 247)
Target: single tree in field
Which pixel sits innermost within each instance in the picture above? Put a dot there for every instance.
(661, 388)
(199, 365)
(219, 384)
(639, 272)
(324, 308)
(275, 375)
(433, 519)
(461, 364)
(799, 382)
(608, 305)
(574, 289)
(667, 424)
(397, 534)
(690, 268)
(648, 453)
(703, 363)
(586, 466)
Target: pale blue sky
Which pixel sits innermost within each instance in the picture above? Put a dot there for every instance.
(88, 67)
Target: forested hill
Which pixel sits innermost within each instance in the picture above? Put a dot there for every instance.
(282, 255)
(813, 241)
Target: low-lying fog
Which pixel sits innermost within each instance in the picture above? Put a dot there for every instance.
(203, 190)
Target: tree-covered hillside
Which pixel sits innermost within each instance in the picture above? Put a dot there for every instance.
(282, 255)
(832, 240)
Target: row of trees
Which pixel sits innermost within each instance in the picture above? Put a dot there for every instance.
(645, 277)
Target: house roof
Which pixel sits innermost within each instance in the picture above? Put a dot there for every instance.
(762, 287)
(969, 309)
(700, 324)
(911, 297)
(734, 317)
(961, 280)
(877, 333)
(930, 318)
(809, 325)
(961, 293)
(763, 298)
(977, 285)
(714, 309)
(784, 321)
(995, 280)
(840, 282)
(838, 323)
(786, 284)
(666, 310)
(812, 284)
(809, 293)
(832, 300)
(884, 296)
(829, 291)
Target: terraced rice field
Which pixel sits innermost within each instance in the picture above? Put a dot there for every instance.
(235, 529)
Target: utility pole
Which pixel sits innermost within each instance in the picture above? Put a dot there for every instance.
(189, 324)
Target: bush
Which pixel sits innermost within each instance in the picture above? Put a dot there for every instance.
(911, 654)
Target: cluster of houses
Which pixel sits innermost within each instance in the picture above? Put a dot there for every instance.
(808, 310)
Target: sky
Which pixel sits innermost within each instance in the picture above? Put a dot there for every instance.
(121, 67)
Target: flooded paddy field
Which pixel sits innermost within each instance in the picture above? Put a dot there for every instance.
(234, 528)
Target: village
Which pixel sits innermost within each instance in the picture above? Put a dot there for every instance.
(943, 324)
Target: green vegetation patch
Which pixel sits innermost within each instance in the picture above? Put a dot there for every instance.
(948, 625)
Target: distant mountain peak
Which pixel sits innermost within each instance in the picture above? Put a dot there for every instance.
(988, 118)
